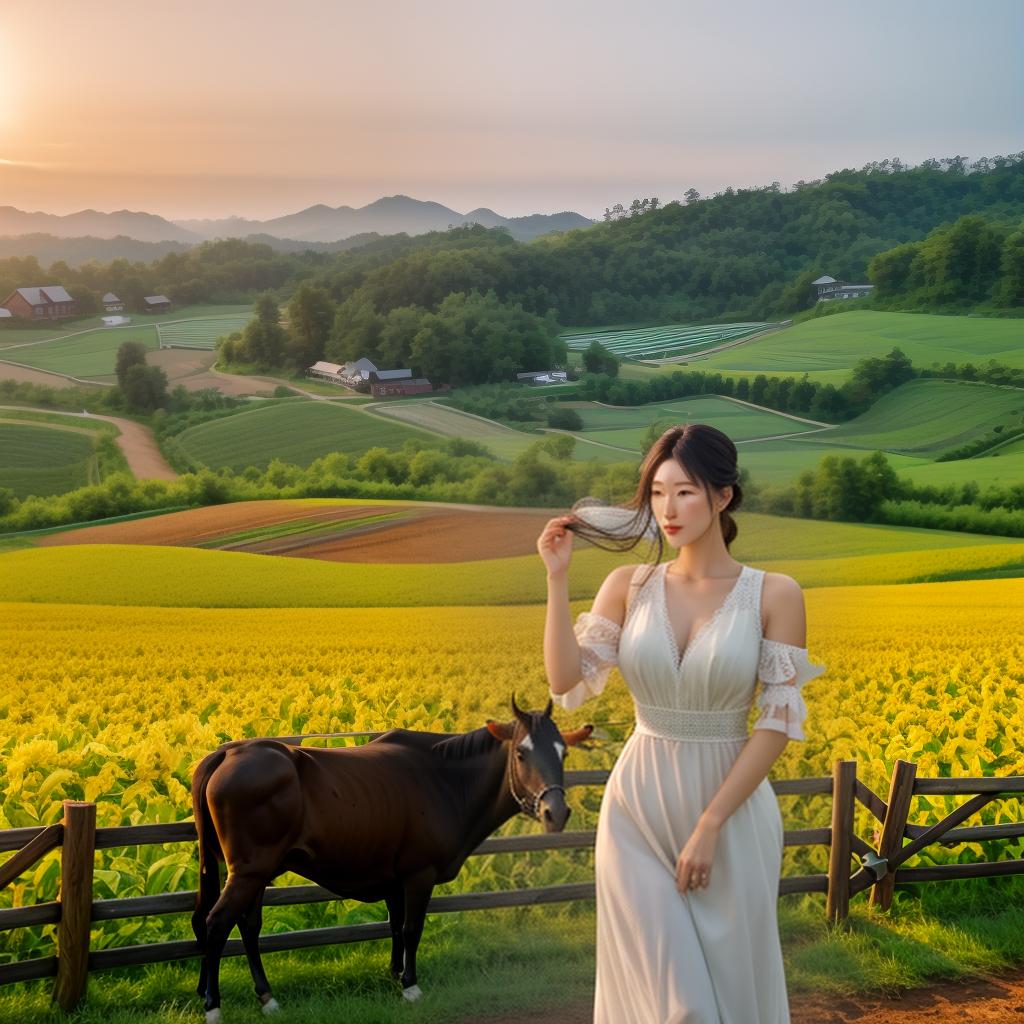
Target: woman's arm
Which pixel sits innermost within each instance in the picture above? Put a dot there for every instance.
(562, 659)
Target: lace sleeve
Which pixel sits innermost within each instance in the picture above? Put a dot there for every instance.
(783, 669)
(598, 638)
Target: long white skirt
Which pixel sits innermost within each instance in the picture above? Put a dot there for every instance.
(710, 956)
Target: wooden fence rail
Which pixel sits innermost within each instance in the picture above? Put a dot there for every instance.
(877, 866)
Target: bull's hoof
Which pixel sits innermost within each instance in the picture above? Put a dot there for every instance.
(214, 1016)
(412, 993)
(271, 1006)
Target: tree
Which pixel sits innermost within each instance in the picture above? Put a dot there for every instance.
(691, 195)
(264, 339)
(129, 354)
(597, 359)
(310, 318)
(144, 388)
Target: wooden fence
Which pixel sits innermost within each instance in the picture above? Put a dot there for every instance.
(878, 867)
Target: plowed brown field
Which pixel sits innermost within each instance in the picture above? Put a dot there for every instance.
(425, 533)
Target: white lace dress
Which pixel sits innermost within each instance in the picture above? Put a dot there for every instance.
(707, 956)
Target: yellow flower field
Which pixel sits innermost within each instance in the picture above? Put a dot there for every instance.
(117, 704)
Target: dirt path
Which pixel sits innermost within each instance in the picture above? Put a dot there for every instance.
(985, 999)
(140, 449)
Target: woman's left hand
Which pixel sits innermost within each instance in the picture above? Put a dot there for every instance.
(693, 868)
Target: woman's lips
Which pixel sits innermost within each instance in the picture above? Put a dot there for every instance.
(672, 529)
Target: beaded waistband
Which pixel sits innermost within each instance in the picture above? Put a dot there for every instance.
(680, 724)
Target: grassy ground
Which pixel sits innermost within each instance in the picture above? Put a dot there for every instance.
(827, 348)
(44, 459)
(476, 966)
(296, 432)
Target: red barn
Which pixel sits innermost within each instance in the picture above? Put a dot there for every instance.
(49, 302)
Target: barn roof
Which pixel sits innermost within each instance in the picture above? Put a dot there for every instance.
(825, 279)
(5, 312)
(45, 293)
(154, 299)
(393, 374)
(110, 297)
(321, 367)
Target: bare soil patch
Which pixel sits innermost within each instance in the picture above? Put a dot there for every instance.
(26, 375)
(429, 533)
(181, 362)
(985, 999)
(195, 525)
(437, 536)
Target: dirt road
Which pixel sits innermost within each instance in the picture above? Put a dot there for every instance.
(140, 449)
(985, 999)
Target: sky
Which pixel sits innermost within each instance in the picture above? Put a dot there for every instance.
(259, 108)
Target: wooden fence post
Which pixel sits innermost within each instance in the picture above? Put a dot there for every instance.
(77, 857)
(844, 776)
(901, 789)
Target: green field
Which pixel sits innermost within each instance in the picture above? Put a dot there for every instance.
(505, 442)
(44, 460)
(928, 417)
(815, 553)
(201, 332)
(296, 431)
(658, 342)
(62, 329)
(92, 354)
(625, 426)
(827, 348)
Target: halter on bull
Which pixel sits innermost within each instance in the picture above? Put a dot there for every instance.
(387, 820)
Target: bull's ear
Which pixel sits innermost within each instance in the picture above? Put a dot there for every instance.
(577, 736)
(501, 730)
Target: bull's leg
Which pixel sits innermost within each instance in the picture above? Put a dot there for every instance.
(418, 888)
(238, 895)
(396, 918)
(250, 926)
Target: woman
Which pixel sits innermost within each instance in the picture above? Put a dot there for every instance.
(689, 839)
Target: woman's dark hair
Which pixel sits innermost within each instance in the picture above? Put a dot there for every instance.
(709, 458)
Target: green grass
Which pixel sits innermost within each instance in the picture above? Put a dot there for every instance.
(505, 442)
(200, 332)
(44, 460)
(62, 328)
(816, 554)
(92, 354)
(657, 342)
(827, 348)
(296, 431)
(927, 417)
(481, 965)
(626, 426)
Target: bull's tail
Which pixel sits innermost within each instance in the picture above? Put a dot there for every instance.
(210, 853)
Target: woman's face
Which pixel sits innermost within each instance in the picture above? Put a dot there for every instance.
(681, 506)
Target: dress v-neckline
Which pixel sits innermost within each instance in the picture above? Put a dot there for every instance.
(680, 658)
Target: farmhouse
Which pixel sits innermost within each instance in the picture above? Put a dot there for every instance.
(543, 377)
(112, 304)
(156, 304)
(48, 302)
(326, 371)
(829, 288)
(387, 383)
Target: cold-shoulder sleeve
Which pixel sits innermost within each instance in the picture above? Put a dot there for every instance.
(598, 638)
(783, 669)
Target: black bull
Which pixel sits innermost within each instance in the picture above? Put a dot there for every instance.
(387, 820)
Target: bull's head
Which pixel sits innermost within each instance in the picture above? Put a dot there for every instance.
(537, 752)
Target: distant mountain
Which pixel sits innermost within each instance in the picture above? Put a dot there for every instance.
(145, 227)
(391, 215)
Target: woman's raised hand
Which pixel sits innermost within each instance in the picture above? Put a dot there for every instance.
(555, 544)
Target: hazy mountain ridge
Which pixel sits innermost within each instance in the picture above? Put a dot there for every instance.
(389, 215)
